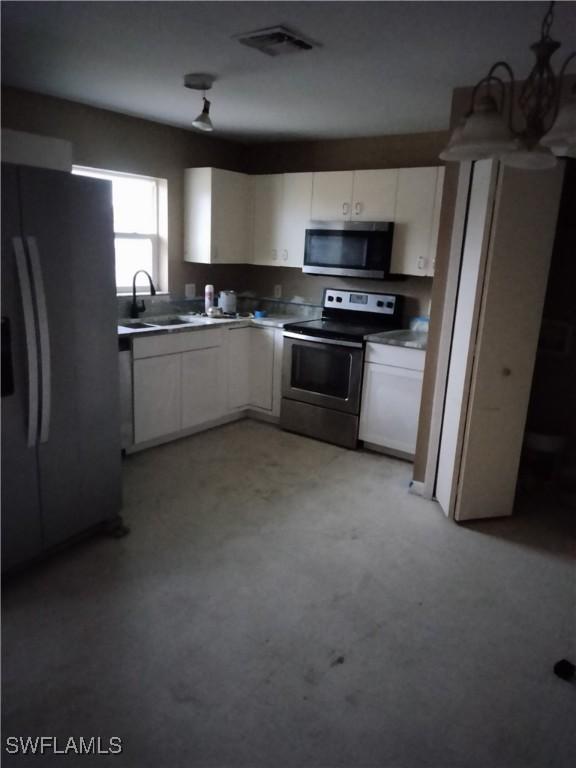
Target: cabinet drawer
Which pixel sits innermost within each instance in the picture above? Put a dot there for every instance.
(402, 357)
(173, 343)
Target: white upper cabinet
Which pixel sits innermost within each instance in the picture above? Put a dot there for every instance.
(267, 194)
(354, 195)
(217, 220)
(374, 195)
(295, 217)
(235, 218)
(332, 195)
(416, 220)
(281, 214)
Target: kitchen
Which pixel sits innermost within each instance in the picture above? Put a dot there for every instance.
(241, 362)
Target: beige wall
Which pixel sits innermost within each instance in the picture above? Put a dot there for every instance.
(105, 139)
(397, 151)
(310, 287)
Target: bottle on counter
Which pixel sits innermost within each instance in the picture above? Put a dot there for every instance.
(208, 298)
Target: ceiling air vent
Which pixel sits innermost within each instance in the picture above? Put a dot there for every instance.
(275, 41)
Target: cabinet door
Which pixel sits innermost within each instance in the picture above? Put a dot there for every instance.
(435, 222)
(198, 215)
(277, 371)
(332, 195)
(374, 195)
(239, 368)
(203, 386)
(390, 407)
(267, 212)
(157, 395)
(231, 217)
(261, 367)
(413, 221)
(296, 205)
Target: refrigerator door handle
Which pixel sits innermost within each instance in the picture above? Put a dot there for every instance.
(31, 345)
(44, 336)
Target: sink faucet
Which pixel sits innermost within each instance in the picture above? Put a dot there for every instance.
(138, 305)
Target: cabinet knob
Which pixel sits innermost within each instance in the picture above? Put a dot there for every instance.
(285, 255)
(421, 262)
(358, 209)
(345, 209)
(274, 254)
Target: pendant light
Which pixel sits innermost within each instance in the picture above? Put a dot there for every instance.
(201, 82)
(548, 132)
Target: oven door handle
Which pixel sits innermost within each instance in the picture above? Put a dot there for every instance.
(321, 340)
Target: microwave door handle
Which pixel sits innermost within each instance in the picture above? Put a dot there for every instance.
(30, 337)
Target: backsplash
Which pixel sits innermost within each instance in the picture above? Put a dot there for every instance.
(301, 294)
(247, 302)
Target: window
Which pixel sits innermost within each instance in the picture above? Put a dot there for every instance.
(139, 204)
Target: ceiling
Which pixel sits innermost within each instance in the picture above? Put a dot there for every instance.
(381, 67)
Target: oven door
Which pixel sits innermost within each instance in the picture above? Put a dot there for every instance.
(323, 372)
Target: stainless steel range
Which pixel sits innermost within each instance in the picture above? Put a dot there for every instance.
(324, 361)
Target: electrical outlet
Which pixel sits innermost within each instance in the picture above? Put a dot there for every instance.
(190, 290)
(277, 291)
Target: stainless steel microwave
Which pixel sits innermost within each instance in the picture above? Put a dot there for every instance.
(354, 250)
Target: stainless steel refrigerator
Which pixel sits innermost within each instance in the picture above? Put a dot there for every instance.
(60, 402)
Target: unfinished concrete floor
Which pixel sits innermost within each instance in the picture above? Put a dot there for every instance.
(283, 602)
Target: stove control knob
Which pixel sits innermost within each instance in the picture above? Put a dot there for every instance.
(379, 303)
(330, 298)
(339, 299)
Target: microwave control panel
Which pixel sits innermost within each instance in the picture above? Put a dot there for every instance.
(358, 301)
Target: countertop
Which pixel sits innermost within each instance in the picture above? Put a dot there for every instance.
(406, 338)
(202, 323)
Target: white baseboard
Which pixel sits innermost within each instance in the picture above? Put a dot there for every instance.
(242, 413)
(227, 419)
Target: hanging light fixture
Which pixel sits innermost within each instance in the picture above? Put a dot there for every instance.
(201, 82)
(548, 131)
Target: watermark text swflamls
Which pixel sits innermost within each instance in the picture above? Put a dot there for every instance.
(73, 745)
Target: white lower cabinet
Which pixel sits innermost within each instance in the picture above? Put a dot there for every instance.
(391, 396)
(189, 380)
(238, 378)
(157, 394)
(203, 395)
(277, 371)
(261, 367)
(179, 382)
(255, 369)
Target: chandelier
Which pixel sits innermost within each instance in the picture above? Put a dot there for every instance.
(548, 131)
